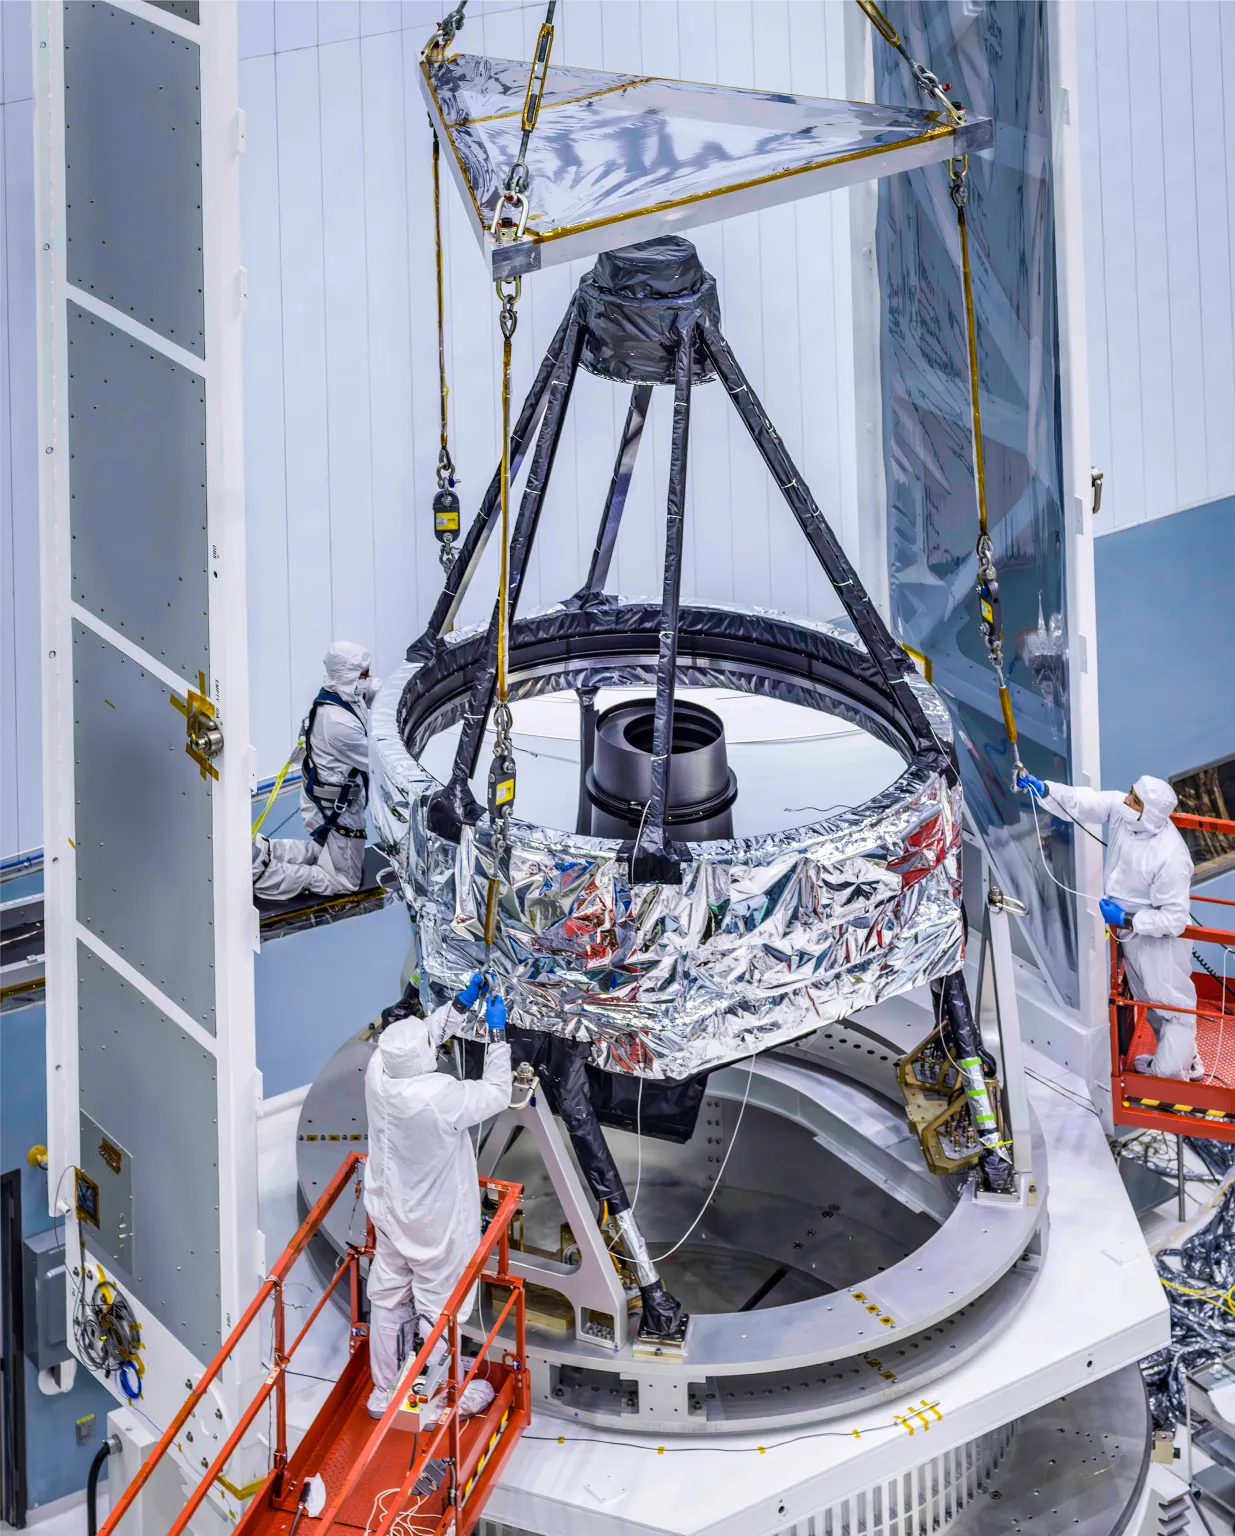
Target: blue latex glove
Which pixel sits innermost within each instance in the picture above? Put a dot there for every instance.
(1026, 780)
(474, 990)
(1114, 914)
(495, 1017)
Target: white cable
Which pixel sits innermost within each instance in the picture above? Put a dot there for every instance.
(657, 1258)
(612, 1247)
(1089, 900)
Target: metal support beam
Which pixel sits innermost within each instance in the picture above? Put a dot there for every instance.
(587, 755)
(592, 1285)
(997, 948)
(652, 858)
(454, 804)
(894, 666)
(615, 502)
(477, 537)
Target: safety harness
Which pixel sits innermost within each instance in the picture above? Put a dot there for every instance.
(330, 810)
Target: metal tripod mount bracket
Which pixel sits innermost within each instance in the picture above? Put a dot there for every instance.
(593, 1287)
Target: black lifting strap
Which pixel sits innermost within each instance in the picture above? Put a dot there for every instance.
(330, 809)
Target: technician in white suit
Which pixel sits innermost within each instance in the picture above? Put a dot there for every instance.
(421, 1189)
(334, 788)
(1148, 881)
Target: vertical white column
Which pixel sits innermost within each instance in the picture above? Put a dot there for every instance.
(59, 872)
(235, 918)
(1078, 521)
(872, 550)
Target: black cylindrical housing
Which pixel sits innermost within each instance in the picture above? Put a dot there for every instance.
(637, 301)
(702, 787)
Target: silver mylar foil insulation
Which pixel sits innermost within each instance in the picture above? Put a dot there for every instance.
(765, 940)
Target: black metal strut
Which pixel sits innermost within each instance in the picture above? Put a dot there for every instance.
(894, 666)
(454, 804)
(615, 502)
(653, 857)
(675, 334)
(468, 554)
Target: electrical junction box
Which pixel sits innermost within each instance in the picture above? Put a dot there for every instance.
(44, 1276)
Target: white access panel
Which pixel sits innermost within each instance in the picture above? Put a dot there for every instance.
(150, 923)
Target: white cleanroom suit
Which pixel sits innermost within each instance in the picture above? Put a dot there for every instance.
(334, 789)
(420, 1187)
(1149, 873)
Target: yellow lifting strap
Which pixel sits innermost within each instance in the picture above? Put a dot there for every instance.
(274, 791)
(990, 618)
(509, 222)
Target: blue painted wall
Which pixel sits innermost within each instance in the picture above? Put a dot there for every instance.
(1166, 643)
(55, 1463)
(315, 989)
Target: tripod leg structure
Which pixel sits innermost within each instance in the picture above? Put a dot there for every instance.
(615, 502)
(454, 804)
(894, 666)
(653, 857)
(477, 536)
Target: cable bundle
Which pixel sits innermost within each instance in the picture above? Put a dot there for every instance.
(1199, 1279)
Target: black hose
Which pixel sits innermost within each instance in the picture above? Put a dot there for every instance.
(92, 1487)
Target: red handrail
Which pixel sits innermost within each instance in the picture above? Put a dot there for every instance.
(515, 1398)
(276, 1380)
(497, 1236)
(1192, 823)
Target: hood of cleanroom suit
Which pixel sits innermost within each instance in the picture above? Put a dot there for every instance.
(1159, 800)
(420, 1177)
(344, 662)
(1149, 873)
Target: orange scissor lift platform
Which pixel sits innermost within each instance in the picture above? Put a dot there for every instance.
(1205, 1108)
(371, 1470)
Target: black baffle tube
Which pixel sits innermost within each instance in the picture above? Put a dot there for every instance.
(652, 858)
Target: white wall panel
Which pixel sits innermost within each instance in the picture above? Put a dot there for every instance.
(341, 382)
(1158, 143)
(21, 801)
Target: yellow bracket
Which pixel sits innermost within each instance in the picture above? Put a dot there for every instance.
(246, 1492)
(201, 727)
(921, 659)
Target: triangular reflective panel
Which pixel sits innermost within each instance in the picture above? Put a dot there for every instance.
(619, 158)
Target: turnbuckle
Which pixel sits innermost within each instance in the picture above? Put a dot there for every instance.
(537, 79)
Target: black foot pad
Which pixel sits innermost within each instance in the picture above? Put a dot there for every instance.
(663, 1318)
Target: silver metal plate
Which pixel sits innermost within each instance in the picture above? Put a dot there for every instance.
(133, 180)
(137, 790)
(137, 486)
(1077, 1465)
(103, 1159)
(621, 158)
(155, 1087)
(813, 1283)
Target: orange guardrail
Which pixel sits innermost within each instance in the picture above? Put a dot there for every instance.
(473, 1466)
(1205, 1108)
